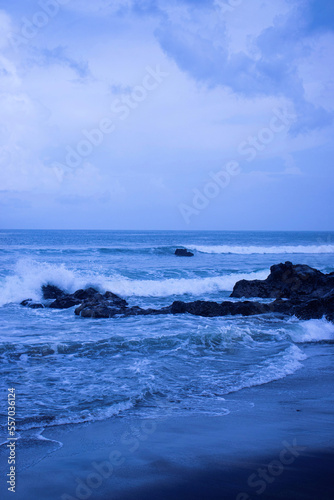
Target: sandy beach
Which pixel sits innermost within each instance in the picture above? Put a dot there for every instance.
(276, 442)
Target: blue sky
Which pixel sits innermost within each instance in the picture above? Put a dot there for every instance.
(157, 114)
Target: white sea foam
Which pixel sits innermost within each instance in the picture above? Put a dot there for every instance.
(275, 368)
(167, 287)
(314, 330)
(100, 414)
(248, 250)
(29, 276)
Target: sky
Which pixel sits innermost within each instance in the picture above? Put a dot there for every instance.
(167, 114)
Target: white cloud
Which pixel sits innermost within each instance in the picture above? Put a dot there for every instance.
(5, 28)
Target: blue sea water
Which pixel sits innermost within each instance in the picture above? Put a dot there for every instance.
(68, 369)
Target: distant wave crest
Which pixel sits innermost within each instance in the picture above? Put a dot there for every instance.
(248, 250)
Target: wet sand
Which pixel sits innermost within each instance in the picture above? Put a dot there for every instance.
(277, 442)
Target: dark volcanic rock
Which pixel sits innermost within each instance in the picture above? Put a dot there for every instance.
(91, 303)
(247, 308)
(101, 311)
(33, 305)
(51, 292)
(299, 291)
(316, 308)
(97, 305)
(183, 252)
(287, 281)
(117, 301)
(212, 309)
(88, 293)
(64, 302)
(26, 302)
(198, 308)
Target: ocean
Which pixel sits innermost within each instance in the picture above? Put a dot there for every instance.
(68, 370)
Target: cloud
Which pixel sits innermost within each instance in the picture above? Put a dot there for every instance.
(5, 28)
(270, 67)
(99, 7)
(58, 55)
(226, 77)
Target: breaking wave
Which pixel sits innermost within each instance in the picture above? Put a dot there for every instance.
(249, 250)
(30, 276)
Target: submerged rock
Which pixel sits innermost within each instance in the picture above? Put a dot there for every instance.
(183, 252)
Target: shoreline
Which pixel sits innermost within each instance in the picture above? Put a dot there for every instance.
(198, 456)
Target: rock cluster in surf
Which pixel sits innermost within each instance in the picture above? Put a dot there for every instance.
(298, 290)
